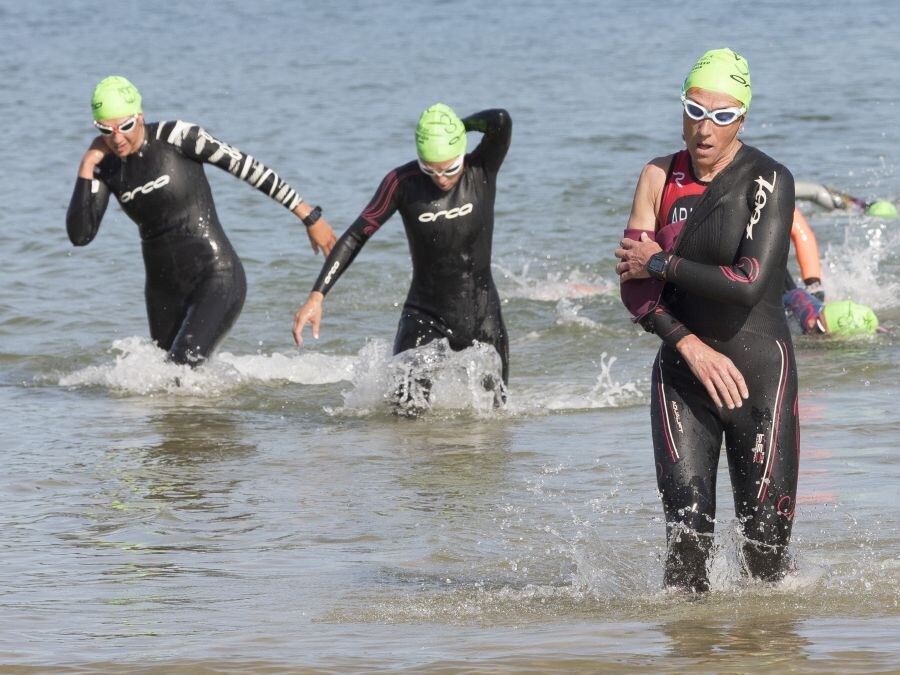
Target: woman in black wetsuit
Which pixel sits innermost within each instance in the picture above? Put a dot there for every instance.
(702, 265)
(446, 200)
(195, 283)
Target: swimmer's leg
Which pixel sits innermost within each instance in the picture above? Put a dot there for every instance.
(686, 443)
(414, 331)
(494, 333)
(212, 309)
(165, 312)
(763, 458)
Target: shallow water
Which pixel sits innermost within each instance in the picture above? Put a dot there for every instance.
(269, 512)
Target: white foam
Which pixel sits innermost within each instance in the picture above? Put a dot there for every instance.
(606, 392)
(553, 286)
(852, 269)
(140, 367)
(456, 379)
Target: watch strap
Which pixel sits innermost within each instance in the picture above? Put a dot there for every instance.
(313, 216)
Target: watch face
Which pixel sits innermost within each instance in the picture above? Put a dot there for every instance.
(656, 264)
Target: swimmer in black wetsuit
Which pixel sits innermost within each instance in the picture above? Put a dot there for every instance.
(710, 286)
(195, 284)
(446, 200)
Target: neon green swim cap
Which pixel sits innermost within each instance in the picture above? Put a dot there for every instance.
(724, 71)
(440, 134)
(844, 317)
(115, 97)
(882, 209)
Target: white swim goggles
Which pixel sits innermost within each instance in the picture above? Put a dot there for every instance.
(122, 128)
(451, 170)
(721, 116)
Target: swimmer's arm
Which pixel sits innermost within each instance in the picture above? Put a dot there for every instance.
(199, 145)
(89, 198)
(648, 195)
(496, 125)
(759, 256)
(806, 248)
(380, 208)
(343, 253)
(636, 248)
(196, 143)
(636, 291)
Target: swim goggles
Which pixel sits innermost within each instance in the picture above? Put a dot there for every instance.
(451, 170)
(721, 116)
(122, 128)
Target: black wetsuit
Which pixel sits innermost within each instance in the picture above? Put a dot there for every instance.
(452, 294)
(725, 286)
(195, 283)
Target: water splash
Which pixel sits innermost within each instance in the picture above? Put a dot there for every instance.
(140, 367)
(432, 378)
(554, 286)
(857, 269)
(606, 392)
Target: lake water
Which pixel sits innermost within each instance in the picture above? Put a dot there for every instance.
(270, 514)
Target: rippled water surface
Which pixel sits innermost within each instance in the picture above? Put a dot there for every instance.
(269, 512)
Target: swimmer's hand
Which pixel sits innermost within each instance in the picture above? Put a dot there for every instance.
(321, 236)
(722, 379)
(310, 313)
(634, 256)
(94, 155)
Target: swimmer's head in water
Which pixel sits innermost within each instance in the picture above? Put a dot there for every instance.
(723, 71)
(115, 97)
(848, 318)
(440, 134)
(882, 209)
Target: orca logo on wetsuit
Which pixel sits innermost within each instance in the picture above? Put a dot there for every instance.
(334, 268)
(145, 189)
(455, 212)
(760, 199)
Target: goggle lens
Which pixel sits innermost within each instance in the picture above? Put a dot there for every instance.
(721, 116)
(122, 128)
(451, 170)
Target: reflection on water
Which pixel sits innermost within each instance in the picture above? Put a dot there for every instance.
(166, 497)
(769, 642)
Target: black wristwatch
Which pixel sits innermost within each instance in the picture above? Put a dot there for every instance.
(657, 265)
(313, 216)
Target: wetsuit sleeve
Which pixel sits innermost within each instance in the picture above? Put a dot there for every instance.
(642, 297)
(86, 208)
(380, 208)
(195, 143)
(761, 253)
(669, 329)
(496, 125)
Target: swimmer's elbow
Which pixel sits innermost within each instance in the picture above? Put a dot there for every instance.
(80, 233)
(748, 294)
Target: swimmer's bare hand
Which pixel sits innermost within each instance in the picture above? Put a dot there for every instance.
(321, 236)
(634, 256)
(310, 313)
(723, 381)
(95, 153)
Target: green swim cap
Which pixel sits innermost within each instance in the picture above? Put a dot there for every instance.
(882, 209)
(440, 134)
(844, 317)
(115, 97)
(724, 71)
